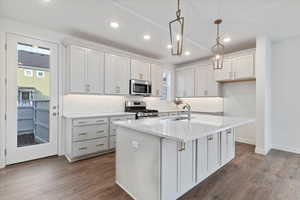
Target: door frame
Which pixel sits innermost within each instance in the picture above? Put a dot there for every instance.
(59, 70)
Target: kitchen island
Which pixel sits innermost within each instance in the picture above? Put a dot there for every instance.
(163, 158)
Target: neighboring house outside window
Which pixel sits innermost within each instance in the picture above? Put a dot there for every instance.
(40, 74)
(28, 73)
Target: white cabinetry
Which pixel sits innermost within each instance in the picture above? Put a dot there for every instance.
(165, 169)
(88, 137)
(140, 70)
(243, 67)
(205, 83)
(213, 152)
(117, 74)
(178, 167)
(85, 70)
(201, 159)
(237, 66)
(227, 146)
(156, 80)
(185, 82)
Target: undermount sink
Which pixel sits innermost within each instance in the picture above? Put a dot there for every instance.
(176, 118)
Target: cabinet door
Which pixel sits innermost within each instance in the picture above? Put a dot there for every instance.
(95, 72)
(224, 74)
(169, 170)
(213, 152)
(156, 79)
(227, 146)
(243, 67)
(201, 81)
(186, 167)
(117, 74)
(180, 75)
(140, 70)
(201, 159)
(212, 86)
(77, 69)
(189, 83)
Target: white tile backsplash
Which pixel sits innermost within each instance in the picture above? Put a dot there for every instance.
(93, 104)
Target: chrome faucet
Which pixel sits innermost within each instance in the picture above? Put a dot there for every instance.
(188, 107)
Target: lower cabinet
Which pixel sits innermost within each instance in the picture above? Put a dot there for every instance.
(91, 136)
(201, 159)
(178, 168)
(185, 165)
(227, 146)
(213, 153)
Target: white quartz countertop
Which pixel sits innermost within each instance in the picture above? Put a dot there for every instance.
(91, 115)
(184, 130)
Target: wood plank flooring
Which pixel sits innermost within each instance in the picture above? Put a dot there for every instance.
(248, 177)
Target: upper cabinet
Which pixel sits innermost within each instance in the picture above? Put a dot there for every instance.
(185, 82)
(205, 83)
(156, 80)
(85, 69)
(140, 70)
(237, 66)
(117, 74)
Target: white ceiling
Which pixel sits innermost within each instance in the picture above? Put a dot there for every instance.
(89, 19)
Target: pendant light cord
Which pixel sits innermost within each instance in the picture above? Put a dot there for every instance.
(178, 13)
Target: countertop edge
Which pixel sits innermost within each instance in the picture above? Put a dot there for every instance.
(161, 135)
(77, 116)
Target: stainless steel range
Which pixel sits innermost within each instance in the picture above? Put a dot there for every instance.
(139, 107)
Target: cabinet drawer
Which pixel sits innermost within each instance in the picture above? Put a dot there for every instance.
(112, 142)
(89, 147)
(89, 132)
(88, 121)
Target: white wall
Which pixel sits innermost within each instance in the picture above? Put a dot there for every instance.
(286, 95)
(239, 100)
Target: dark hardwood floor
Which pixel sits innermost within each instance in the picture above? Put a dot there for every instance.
(248, 177)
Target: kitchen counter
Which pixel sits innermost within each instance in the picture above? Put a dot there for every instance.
(162, 159)
(90, 115)
(199, 126)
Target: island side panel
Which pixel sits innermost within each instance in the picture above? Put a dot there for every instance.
(138, 164)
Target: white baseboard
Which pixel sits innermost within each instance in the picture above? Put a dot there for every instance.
(287, 149)
(246, 141)
(262, 151)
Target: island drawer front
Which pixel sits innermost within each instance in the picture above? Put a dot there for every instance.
(112, 142)
(81, 133)
(89, 147)
(89, 121)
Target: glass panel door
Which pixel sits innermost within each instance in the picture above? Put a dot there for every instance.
(31, 99)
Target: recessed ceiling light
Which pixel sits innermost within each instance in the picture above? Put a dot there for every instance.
(47, 1)
(187, 53)
(114, 24)
(147, 37)
(227, 39)
(169, 46)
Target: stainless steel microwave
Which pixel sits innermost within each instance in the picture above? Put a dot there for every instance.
(139, 87)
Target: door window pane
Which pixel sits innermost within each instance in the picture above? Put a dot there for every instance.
(33, 85)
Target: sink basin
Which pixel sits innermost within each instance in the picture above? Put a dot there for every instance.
(176, 118)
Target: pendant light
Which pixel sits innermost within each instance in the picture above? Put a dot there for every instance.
(218, 49)
(176, 27)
